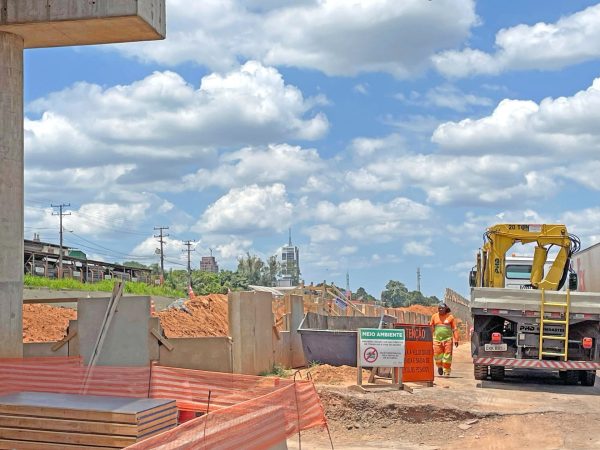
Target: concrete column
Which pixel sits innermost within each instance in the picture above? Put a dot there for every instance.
(251, 331)
(11, 195)
(296, 314)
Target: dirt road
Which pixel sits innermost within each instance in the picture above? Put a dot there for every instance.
(459, 412)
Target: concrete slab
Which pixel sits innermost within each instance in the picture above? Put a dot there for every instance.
(213, 354)
(56, 23)
(128, 341)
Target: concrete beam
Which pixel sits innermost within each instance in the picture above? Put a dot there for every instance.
(56, 23)
(11, 195)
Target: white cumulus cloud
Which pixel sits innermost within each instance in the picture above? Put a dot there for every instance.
(337, 37)
(547, 46)
(248, 209)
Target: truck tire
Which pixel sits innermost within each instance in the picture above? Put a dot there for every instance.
(587, 377)
(571, 377)
(480, 372)
(497, 373)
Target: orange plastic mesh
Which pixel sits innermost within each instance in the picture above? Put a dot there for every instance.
(255, 424)
(244, 412)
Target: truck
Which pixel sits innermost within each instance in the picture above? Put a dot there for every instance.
(586, 265)
(527, 312)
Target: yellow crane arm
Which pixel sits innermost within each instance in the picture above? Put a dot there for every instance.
(500, 238)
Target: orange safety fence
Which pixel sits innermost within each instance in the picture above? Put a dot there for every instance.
(66, 375)
(257, 412)
(256, 424)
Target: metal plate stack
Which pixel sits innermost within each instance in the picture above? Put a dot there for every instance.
(39, 420)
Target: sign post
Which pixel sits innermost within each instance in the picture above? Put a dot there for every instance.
(380, 348)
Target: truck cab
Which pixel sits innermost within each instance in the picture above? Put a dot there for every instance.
(518, 271)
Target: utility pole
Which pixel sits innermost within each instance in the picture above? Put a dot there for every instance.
(348, 294)
(161, 237)
(189, 251)
(61, 214)
(418, 279)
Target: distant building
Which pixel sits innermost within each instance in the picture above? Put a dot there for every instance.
(209, 264)
(42, 259)
(290, 265)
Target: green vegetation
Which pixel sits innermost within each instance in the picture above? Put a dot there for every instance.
(251, 270)
(397, 295)
(105, 285)
(363, 296)
(276, 371)
(312, 364)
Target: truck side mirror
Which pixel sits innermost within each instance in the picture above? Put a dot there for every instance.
(573, 281)
(473, 278)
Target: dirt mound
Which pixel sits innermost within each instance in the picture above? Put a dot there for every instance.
(421, 309)
(201, 316)
(352, 409)
(45, 323)
(326, 374)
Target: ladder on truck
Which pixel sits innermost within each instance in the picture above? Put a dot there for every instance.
(566, 306)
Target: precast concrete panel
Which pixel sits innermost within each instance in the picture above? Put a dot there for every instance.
(128, 340)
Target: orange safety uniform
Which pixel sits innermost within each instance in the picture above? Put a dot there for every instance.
(444, 333)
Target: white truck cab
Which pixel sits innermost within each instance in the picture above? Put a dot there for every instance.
(517, 271)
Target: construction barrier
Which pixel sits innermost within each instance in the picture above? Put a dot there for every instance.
(238, 411)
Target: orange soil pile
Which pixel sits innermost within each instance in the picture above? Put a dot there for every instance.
(44, 323)
(326, 374)
(205, 316)
(420, 309)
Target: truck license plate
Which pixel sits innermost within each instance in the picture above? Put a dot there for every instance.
(496, 347)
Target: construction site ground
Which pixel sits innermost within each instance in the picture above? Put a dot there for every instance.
(532, 411)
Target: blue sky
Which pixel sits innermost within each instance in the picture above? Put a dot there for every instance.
(387, 134)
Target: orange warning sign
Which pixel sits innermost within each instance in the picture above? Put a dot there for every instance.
(418, 359)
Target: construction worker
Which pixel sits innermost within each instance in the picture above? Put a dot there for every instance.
(444, 333)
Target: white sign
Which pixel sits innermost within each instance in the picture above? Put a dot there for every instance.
(380, 348)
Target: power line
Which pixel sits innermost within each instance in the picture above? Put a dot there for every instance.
(110, 249)
(61, 214)
(161, 237)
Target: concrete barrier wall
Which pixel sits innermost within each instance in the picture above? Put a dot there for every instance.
(459, 306)
(36, 349)
(282, 353)
(204, 353)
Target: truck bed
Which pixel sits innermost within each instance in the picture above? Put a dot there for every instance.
(529, 300)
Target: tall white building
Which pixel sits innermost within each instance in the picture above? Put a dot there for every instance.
(290, 265)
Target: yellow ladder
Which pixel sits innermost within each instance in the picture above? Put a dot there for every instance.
(565, 322)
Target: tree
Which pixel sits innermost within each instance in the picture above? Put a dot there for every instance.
(251, 266)
(395, 294)
(135, 264)
(363, 296)
(270, 271)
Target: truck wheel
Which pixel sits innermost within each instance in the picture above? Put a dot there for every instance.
(587, 377)
(571, 377)
(480, 372)
(497, 373)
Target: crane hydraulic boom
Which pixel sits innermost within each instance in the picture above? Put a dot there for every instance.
(498, 239)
